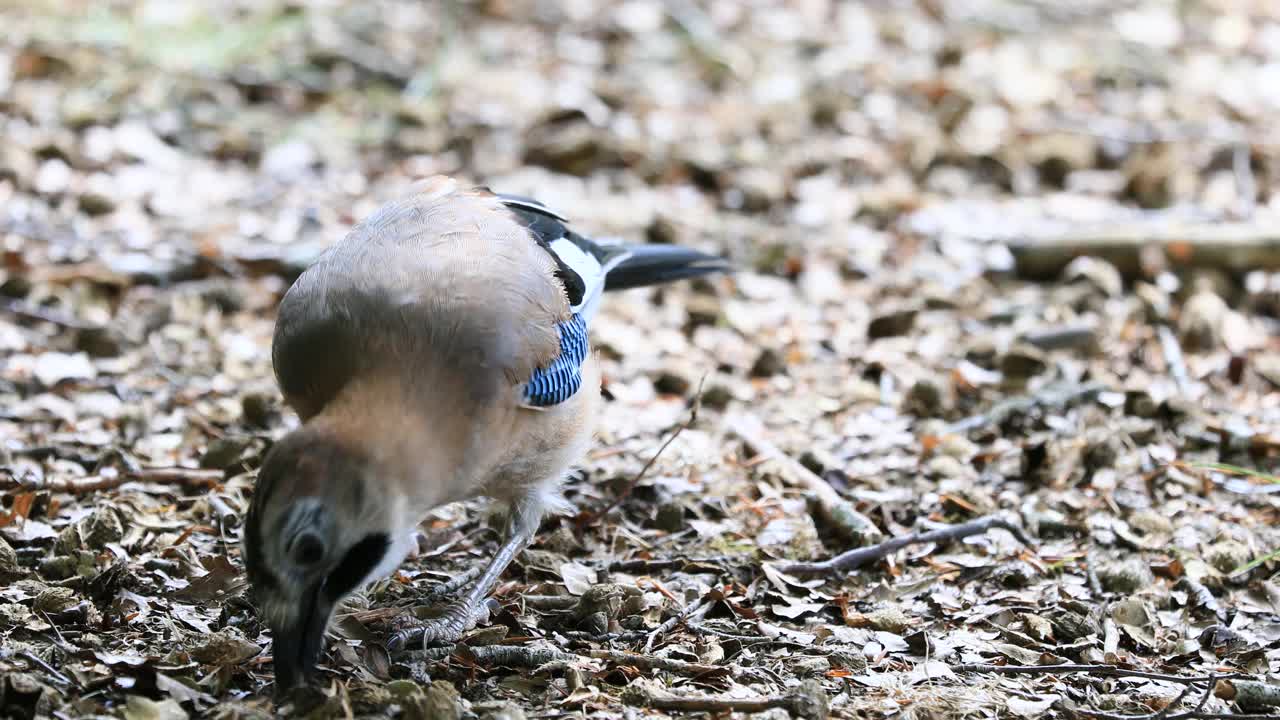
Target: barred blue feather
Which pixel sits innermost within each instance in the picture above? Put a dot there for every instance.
(561, 379)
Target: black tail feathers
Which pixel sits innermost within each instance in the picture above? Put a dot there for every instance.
(656, 264)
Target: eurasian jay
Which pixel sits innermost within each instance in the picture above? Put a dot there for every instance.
(438, 352)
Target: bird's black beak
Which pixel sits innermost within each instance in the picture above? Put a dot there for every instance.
(296, 642)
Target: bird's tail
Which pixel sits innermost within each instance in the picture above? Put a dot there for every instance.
(645, 265)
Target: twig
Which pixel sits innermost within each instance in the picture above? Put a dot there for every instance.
(836, 511)
(808, 701)
(649, 662)
(1232, 247)
(692, 566)
(1062, 337)
(1161, 714)
(532, 657)
(762, 640)
(1055, 395)
(635, 479)
(1173, 357)
(1249, 693)
(53, 672)
(685, 613)
(34, 312)
(858, 557)
(1093, 670)
(1091, 573)
(1246, 184)
(521, 656)
(167, 476)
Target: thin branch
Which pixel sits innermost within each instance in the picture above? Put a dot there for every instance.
(533, 657)
(859, 557)
(190, 477)
(635, 479)
(685, 613)
(838, 512)
(1093, 670)
(649, 662)
(807, 701)
(28, 311)
(1172, 351)
(1055, 395)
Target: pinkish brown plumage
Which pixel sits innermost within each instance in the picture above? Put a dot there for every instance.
(436, 353)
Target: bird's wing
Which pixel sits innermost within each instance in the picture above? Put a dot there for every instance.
(582, 264)
(495, 286)
(441, 289)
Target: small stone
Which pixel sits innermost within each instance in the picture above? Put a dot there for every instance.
(889, 619)
(58, 567)
(669, 383)
(1126, 577)
(8, 559)
(1139, 403)
(670, 517)
(226, 647)
(257, 409)
(290, 160)
(945, 466)
(1100, 274)
(701, 310)
(1022, 362)
(1227, 556)
(55, 600)
(1201, 321)
(810, 666)
(441, 701)
(92, 203)
(98, 342)
(662, 231)
(957, 446)
(1267, 367)
(1151, 522)
(768, 363)
(223, 452)
(923, 399)
(755, 190)
(982, 352)
(52, 368)
(1102, 448)
(717, 397)
(892, 324)
(1069, 626)
(53, 177)
(1015, 574)
(93, 532)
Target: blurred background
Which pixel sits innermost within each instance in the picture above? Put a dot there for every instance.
(937, 206)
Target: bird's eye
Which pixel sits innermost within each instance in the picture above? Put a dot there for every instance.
(307, 550)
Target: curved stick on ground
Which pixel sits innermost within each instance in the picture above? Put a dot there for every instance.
(859, 557)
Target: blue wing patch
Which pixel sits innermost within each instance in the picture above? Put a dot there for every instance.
(558, 381)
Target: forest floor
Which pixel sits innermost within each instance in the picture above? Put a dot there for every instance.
(1005, 263)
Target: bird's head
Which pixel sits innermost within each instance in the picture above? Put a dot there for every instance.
(319, 527)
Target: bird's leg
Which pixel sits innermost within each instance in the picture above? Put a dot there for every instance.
(464, 613)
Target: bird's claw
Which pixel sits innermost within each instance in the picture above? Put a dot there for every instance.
(448, 627)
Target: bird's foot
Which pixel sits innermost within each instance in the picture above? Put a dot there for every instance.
(457, 618)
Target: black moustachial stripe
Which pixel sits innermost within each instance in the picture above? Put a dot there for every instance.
(359, 561)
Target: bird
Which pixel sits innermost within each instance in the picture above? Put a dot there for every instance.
(438, 352)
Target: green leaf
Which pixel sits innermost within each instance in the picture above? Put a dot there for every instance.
(1256, 562)
(1237, 470)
